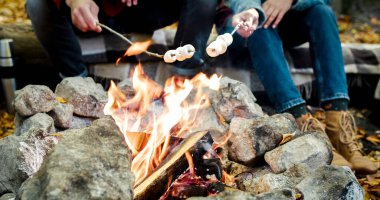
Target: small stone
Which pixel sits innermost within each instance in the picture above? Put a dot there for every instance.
(62, 115)
(284, 194)
(87, 97)
(126, 86)
(311, 149)
(34, 99)
(39, 121)
(8, 196)
(80, 122)
(234, 99)
(331, 182)
(247, 181)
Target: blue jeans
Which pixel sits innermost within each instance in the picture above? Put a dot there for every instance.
(316, 25)
(57, 35)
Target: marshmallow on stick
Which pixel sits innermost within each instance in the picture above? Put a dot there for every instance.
(180, 54)
(220, 45)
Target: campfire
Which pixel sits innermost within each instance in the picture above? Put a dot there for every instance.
(157, 125)
(204, 137)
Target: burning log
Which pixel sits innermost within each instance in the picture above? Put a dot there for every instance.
(174, 165)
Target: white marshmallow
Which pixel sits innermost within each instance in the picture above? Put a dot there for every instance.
(181, 54)
(227, 37)
(190, 50)
(214, 49)
(223, 43)
(170, 56)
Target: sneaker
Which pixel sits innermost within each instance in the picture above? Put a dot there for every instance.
(308, 123)
(341, 129)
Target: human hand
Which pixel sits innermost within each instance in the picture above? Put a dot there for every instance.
(130, 2)
(249, 20)
(275, 11)
(84, 15)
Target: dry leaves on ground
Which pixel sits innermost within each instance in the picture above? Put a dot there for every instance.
(7, 125)
(358, 33)
(12, 11)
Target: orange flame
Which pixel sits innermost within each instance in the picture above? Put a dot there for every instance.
(135, 49)
(153, 115)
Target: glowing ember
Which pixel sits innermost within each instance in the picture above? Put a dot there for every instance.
(153, 115)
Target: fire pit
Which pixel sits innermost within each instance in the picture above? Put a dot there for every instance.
(203, 138)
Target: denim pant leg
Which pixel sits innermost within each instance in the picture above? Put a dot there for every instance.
(55, 33)
(267, 55)
(194, 27)
(326, 53)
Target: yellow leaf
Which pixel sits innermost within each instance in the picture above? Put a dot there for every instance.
(286, 137)
(298, 196)
(61, 100)
(374, 139)
(57, 134)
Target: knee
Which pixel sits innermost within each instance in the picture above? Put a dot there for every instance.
(322, 12)
(34, 8)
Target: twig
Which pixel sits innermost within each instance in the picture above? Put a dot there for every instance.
(127, 40)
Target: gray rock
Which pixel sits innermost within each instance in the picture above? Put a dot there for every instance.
(228, 195)
(126, 86)
(62, 115)
(270, 182)
(34, 99)
(240, 195)
(208, 120)
(311, 149)
(247, 181)
(252, 138)
(80, 122)
(87, 97)
(89, 163)
(234, 99)
(263, 180)
(331, 182)
(8, 196)
(21, 156)
(39, 121)
(11, 177)
(284, 194)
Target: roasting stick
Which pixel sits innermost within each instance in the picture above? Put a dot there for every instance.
(236, 28)
(127, 40)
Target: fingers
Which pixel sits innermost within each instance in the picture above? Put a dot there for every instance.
(130, 3)
(85, 18)
(278, 20)
(271, 17)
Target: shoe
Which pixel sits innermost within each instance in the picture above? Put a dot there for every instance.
(341, 129)
(308, 123)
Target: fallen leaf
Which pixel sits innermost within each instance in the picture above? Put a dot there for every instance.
(374, 139)
(61, 100)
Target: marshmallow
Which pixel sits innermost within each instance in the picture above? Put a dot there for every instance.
(190, 50)
(170, 56)
(181, 54)
(227, 37)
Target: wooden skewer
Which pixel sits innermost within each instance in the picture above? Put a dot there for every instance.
(127, 40)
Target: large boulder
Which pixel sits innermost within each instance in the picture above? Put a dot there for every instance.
(252, 138)
(331, 182)
(87, 97)
(312, 150)
(90, 163)
(34, 99)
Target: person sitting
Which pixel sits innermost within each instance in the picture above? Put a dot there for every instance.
(269, 27)
(56, 23)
